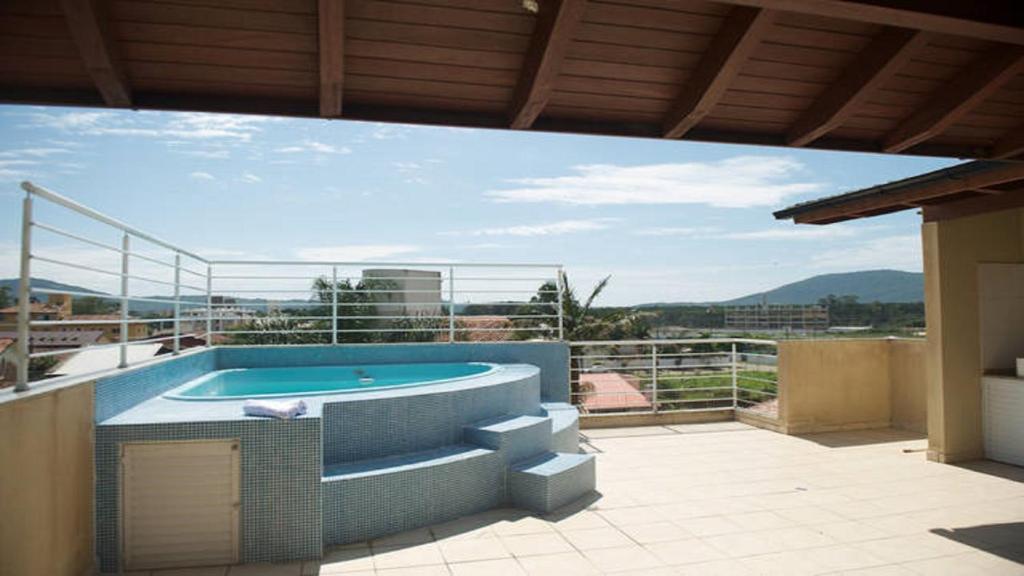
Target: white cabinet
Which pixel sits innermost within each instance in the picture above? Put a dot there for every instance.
(1003, 418)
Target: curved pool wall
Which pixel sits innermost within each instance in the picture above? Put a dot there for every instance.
(431, 453)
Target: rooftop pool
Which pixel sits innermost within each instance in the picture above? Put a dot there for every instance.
(278, 382)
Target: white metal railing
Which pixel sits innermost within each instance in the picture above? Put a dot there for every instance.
(649, 376)
(230, 302)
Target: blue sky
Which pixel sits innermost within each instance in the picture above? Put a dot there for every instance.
(670, 221)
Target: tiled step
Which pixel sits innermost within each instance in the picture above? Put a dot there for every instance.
(371, 498)
(515, 437)
(549, 481)
(565, 426)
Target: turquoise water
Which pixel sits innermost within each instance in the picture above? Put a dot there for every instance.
(311, 380)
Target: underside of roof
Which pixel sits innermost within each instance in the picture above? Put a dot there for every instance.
(913, 77)
(962, 190)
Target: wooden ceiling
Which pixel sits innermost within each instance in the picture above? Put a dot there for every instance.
(962, 190)
(895, 76)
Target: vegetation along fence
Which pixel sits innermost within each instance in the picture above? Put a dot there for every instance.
(630, 376)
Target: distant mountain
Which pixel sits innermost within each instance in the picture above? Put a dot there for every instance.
(12, 285)
(867, 286)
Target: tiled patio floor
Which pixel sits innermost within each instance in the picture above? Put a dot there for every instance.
(730, 499)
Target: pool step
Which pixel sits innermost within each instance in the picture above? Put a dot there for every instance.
(552, 480)
(515, 437)
(375, 497)
(565, 426)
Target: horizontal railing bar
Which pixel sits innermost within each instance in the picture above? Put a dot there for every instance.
(671, 341)
(95, 215)
(113, 297)
(73, 236)
(105, 322)
(105, 346)
(439, 330)
(457, 266)
(110, 273)
(756, 391)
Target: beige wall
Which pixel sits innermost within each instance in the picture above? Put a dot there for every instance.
(952, 251)
(850, 384)
(908, 385)
(46, 483)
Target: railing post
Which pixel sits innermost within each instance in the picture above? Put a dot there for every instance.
(24, 295)
(334, 304)
(735, 394)
(209, 305)
(654, 376)
(177, 302)
(558, 286)
(126, 244)
(451, 304)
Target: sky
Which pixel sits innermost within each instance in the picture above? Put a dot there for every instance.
(670, 221)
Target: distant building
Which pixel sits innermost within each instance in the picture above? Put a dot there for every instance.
(225, 315)
(59, 307)
(777, 318)
(408, 292)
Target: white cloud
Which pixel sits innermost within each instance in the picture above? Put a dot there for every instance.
(794, 233)
(354, 252)
(739, 182)
(314, 147)
(201, 176)
(219, 154)
(33, 152)
(897, 252)
(686, 231)
(188, 125)
(389, 132)
(250, 178)
(548, 229)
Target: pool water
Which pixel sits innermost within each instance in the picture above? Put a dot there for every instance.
(314, 380)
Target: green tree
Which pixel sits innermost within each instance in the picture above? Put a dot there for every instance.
(5, 296)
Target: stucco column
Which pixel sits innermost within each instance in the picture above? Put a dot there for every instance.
(953, 249)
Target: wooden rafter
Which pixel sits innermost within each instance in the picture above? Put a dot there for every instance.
(997, 21)
(552, 34)
(331, 26)
(973, 206)
(1008, 172)
(740, 33)
(950, 102)
(885, 56)
(1010, 145)
(89, 32)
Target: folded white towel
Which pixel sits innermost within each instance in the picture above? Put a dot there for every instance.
(282, 409)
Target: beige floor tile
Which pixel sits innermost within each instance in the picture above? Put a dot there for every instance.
(812, 515)
(746, 543)
(406, 556)
(656, 532)
(887, 570)
(630, 516)
(851, 531)
(958, 565)
(592, 538)
(760, 520)
(612, 560)
(438, 570)
(288, 569)
(801, 537)
(690, 551)
(714, 568)
(345, 560)
(502, 567)
(564, 564)
(524, 525)
(900, 549)
(577, 520)
(536, 544)
(475, 549)
(843, 557)
(709, 525)
(789, 563)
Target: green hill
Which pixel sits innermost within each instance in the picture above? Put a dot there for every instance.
(867, 286)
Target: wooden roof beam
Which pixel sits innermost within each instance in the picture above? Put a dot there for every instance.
(1010, 145)
(995, 20)
(973, 85)
(738, 36)
(88, 29)
(556, 24)
(881, 60)
(1008, 172)
(331, 27)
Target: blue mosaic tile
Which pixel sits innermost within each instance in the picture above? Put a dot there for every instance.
(552, 480)
(115, 394)
(280, 469)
